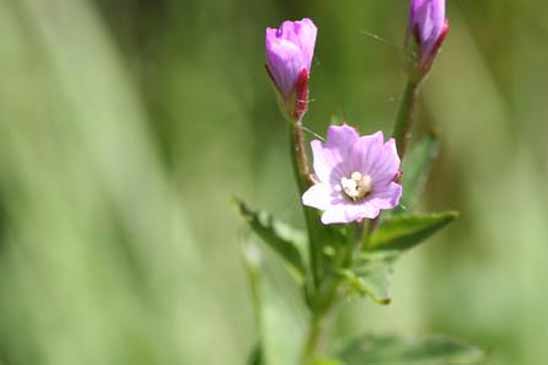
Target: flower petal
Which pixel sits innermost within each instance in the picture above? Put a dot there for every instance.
(341, 137)
(362, 211)
(349, 212)
(331, 158)
(365, 152)
(386, 165)
(318, 196)
(335, 214)
(387, 198)
(306, 32)
(285, 61)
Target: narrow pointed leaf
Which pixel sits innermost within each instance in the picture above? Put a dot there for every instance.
(402, 232)
(417, 168)
(392, 350)
(283, 239)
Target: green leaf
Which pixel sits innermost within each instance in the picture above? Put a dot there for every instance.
(369, 277)
(392, 350)
(402, 232)
(417, 168)
(283, 239)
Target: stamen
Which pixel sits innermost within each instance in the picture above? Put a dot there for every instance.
(356, 187)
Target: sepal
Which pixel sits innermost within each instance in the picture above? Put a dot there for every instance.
(294, 105)
(301, 95)
(420, 58)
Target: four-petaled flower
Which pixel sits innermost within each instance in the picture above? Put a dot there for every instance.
(289, 53)
(356, 176)
(429, 27)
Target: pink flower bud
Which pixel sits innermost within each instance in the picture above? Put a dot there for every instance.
(429, 27)
(289, 53)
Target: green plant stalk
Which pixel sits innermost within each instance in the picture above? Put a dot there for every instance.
(303, 176)
(312, 340)
(328, 294)
(317, 320)
(404, 118)
(402, 129)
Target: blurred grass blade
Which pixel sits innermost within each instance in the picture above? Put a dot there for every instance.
(417, 168)
(402, 232)
(283, 239)
(277, 328)
(392, 350)
(256, 356)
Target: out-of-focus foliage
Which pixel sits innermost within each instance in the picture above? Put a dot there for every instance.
(126, 126)
(401, 351)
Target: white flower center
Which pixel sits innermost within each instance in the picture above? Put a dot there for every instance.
(357, 186)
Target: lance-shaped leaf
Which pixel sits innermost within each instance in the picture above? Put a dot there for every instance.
(283, 239)
(392, 350)
(402, 232)
(417, 168)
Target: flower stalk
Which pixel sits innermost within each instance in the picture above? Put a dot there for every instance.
(312, 340)
(302, 174)
(405, 118)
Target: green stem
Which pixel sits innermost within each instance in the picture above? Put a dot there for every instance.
(312, 341)
(402, 128)
(404, 118)
(328, 293)
(302, 174)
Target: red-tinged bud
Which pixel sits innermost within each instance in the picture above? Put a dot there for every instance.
(428, 29)
(289, 53)
(294, 105)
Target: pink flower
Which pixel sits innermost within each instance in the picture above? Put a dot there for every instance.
(428, 25)
(289, 53)
(356, 176)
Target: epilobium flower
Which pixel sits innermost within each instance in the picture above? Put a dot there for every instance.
(429, 27)
(289, 52)
(356, 176)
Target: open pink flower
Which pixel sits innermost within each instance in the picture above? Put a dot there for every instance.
(356, 176)
(289, 53)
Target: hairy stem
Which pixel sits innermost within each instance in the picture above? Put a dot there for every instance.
(404, 118)
(402, 128)
(302, 173)
(328, 292)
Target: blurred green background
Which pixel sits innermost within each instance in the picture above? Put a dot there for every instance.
(126, 126)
